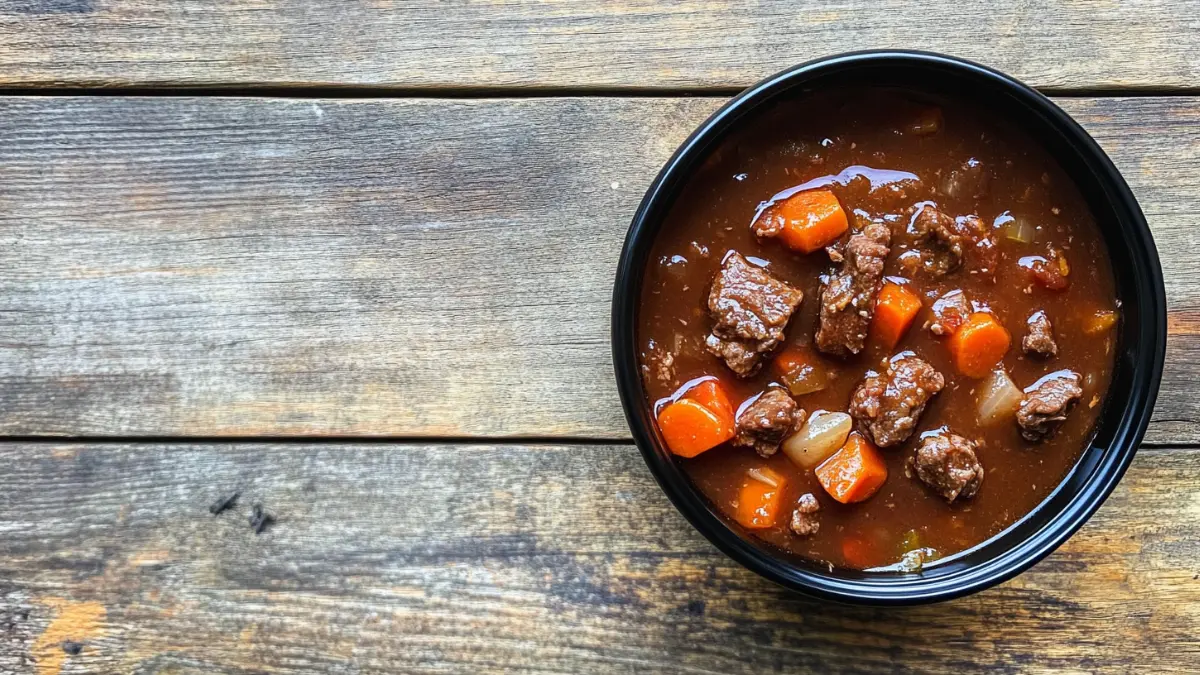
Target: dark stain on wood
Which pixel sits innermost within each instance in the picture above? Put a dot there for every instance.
(223, 503)
(260, 519)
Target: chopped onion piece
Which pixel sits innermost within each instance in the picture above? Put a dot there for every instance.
(803, 370)
(762, 477)
(915, 559)
(820, 437)
(929, 121)
(999, 398)
(1020, 230)
(806, 379)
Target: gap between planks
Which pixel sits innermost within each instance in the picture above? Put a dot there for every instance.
(404, 441)
(320, 440)
(336, 91)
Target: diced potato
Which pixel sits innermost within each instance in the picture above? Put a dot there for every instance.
(999, 398)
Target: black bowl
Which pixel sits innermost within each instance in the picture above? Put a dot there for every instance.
(1140, 349)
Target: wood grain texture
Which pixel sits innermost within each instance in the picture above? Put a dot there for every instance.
(425, 558)
(244, 267)
(577, 43)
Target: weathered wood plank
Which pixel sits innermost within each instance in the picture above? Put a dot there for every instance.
(573, 43)
(408, 267)
(532, 559)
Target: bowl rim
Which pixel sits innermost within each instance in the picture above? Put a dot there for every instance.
(885, 589)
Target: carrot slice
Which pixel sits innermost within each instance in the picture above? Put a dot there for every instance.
(895, 309)
(700, 419)
(759, 501)
(711, 395)
(979, 345)
(853, 473)
(857, 552)
(812, 219)
(689, 428)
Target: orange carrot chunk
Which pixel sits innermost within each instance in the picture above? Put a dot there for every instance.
(979, 345)
(759, 500)
(711, 395)
(853, 473)
(895, 310)
(857, 552)
(811, 219)
(689, 428)
(701, 419)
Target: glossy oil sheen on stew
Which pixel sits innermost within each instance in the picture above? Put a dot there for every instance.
(854, 141)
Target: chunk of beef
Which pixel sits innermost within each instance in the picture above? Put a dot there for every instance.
(947, 463)
(1039, 341)
(971, 180)
(949, 243)
(743, 358)
(770, 223)
(804, 518)
(1046, 403)
(848, 300)
(888, 406)
(928, 224)
(949, 312)
(763, 424)
(979, 243)
(750, 308)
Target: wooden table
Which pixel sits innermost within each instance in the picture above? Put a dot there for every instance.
(354, 258)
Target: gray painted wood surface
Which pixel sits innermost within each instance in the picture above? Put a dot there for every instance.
(265, 267)
(431, 44)
(556, 559)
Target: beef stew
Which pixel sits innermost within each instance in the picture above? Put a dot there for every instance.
(907, 297)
